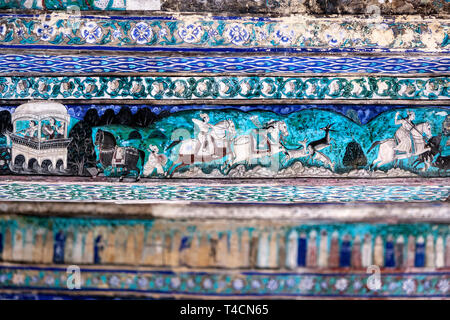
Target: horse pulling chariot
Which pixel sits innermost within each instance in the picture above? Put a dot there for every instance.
(219, 141)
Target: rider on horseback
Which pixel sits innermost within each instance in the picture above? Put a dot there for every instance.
(204, 136)
(403, 134)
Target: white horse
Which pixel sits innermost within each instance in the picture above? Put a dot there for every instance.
(190, 150)
(246, 148)
(387, 154)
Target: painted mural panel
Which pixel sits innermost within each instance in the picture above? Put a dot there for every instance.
(226, 141)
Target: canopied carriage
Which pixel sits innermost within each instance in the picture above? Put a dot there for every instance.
(39, 139)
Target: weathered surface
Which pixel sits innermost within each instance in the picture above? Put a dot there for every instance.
(229, 142)
(271, 7)
(194, 33)
(340, 121)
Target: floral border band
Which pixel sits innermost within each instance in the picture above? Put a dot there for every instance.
(228, 284)
(224, 87)
(194, 33)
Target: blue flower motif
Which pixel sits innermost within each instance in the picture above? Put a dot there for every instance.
(409, 286)
(212, 32)
(284, 35)
(191, 33)
(20, 32)
(116, 34)
(238, 284)
(221, 284)
(159, 282)
(129, 281)
(290, 282)
(91, 32)
(3, 278)
(256, 284)
(236, 34)
(2, 30)
(114, 281)
(263, 35)
(443, 285)
(49, 280)
(45, 31)
(141, 33)
(175, 282)
(272, 285)
(207, 283)
(142, 282)
(190, 283)
(162, 33)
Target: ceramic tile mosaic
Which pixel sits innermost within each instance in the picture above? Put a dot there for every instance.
(370, 7)
(276, 155)
(225, 87)
(220, 193)
(222, 64)
(239, 285)
(65, 31)
(225, 142)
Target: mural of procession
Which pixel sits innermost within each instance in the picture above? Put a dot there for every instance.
(140, 142)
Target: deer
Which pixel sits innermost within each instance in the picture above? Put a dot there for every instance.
(315, 146)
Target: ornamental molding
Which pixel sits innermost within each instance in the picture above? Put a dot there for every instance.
(224, 34)
(224, 88)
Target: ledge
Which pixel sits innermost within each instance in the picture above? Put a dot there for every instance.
(228, 34)
(386, 212)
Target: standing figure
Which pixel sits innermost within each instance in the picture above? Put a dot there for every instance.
(155, 161)
(204, 137)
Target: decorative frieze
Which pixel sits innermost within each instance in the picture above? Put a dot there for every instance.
(161, 192)
(225, 87)
(226, 141)
(273, 7)
(81, 64)
(19, 280)
(223, 34)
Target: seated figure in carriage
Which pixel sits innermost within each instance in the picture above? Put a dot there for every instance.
(52, 130)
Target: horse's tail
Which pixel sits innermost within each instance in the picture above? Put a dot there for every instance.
(374, 145)
(141, 156)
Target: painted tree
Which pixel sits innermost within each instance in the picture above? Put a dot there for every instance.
(81, 155)
(144, 117)
(5, 152)
(5, 121)
(107, 117)
(124, 117)
(354, 156)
